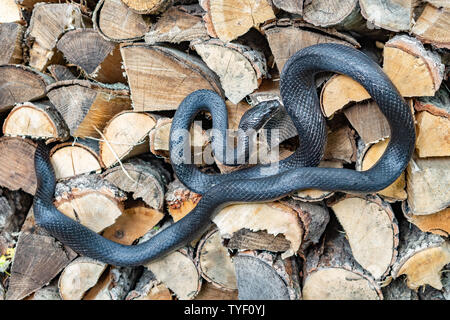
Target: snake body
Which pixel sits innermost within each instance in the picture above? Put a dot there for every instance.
(258, 183)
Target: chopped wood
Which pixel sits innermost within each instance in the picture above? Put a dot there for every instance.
(428, 185)
(17, 157)
(180, 200)
(38, 259)
(437, 223)
(274, 217)
(134, 223)
(48, 22)
(391, 15)
(438, 105)
(38, 120)
(328, 13)
(87, 106)
(372, 231)
(341, 145)
(10, 12)
(49, 292)
(148, 6)
(82, 154)
(292, 6)
(239, 67)
(210, 292)
(114, 284)
(179, 273)
(89, 200)
(228, 20)
(246, 239)
(60, 72)
(398, 290)
(148, 288)
(421, 257)
(119, 142)
(214, 261)
(144, 179)
(433, 135)
(265, 276)
(432, 26)
(177, 25)
(369, 157)
(368, 121)
(116, 22)
(11, 35)
(158, 76)
(331, 273)
(78, 277)
(430, 293)
(98, 58)
(287, 37)
(21, 84)
(413, 70)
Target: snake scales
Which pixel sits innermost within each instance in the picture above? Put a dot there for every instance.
(253, 184)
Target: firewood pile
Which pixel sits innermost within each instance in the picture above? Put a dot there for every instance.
(100, 82)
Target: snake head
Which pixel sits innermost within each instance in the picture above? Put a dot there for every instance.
(256, 117)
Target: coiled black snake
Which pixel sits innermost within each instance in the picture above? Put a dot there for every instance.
(296, 172)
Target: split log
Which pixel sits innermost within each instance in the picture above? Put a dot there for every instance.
(157, 76)
(428, 185)
(433, 25)
(211, 292)
(368, 121)
(437, 105)
(148, 7)
(148, 180)
(119, 142)
(60, 72)
(148, 288)
(429, 293)
(331, 273)
(228, 20)
(82, 154)
(292, 6)
(89, 200)
(274, 217)
(286, 37)
(38, 259)
(179, 273)
(98, 58)
(329, 13)
(116, 22)
(412, 69)
(11, 35)
(389, 14)
(265, 276)
(38, 120)
(433, 134)
(372, 231)
(159, 138)
(10, 12)
(368, 157)
(421, 256)
(114, 284)
(180, 200)
(21, 84)
(48, 22)
(87, 106)
(214, 261)
(78, 277)
(437, 223)
(243, 71)
(341, 145)
(136, 220)
(177, 25)
(17, 158)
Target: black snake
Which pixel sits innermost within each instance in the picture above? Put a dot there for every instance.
(258, 183)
